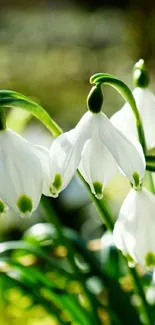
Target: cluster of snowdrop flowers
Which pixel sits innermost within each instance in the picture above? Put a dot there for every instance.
(134, 230)
(96, 148)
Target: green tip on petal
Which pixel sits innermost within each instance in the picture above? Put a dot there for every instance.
(130, 260)
(57, 181)
(2, 207)
(137, 181)
(24, 205)
(150, 260)
(56, 185)
(140, 75)
(98, 188)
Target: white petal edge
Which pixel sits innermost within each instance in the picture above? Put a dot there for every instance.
(134, 230)
(127, 153)
(66, 150)
(43, 155)
(124, 121)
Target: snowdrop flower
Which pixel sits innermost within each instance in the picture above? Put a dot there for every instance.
(145, 100)
(97, 148)
(20, 174)
(124, 119)
(135, 228)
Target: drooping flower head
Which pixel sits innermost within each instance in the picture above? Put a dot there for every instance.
(20, 174)
(123, 120)
(135, 228)
(94, 146)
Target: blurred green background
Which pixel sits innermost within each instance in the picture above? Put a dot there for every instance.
(48, 51)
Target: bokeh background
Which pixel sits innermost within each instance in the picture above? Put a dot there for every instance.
(48, 51)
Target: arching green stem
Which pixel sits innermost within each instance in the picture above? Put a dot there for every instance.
(10, 98)
(107, 79)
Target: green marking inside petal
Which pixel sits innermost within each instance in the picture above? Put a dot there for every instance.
(129, 258)
(2, 207)
(98, 188)
(24, 203)
(150, 259)
(56, 185)
(57, 181)
(136, 179)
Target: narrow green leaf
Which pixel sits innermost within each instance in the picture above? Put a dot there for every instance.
(67, 303)
(119, 300)
(39, 252)
(12, 99)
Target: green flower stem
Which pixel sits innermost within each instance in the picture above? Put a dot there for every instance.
(2, 120)
(141, 293)
(103, 78)
(149, 178)
(50, 213)
(150, 160)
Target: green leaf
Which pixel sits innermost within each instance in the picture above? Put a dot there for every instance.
(50, 308)
(37, 251)
(34, 280)
(119, 300)
(13, 99)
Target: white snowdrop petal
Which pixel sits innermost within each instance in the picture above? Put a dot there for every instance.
(20, 173)
(97, 165)
(46, 167)
(134, 230)
(124, 119)
(146, 104)
(65, 153)
(125, 226)
(129, 155)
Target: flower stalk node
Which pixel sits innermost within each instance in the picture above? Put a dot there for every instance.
(140, 75)
(95, 99)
